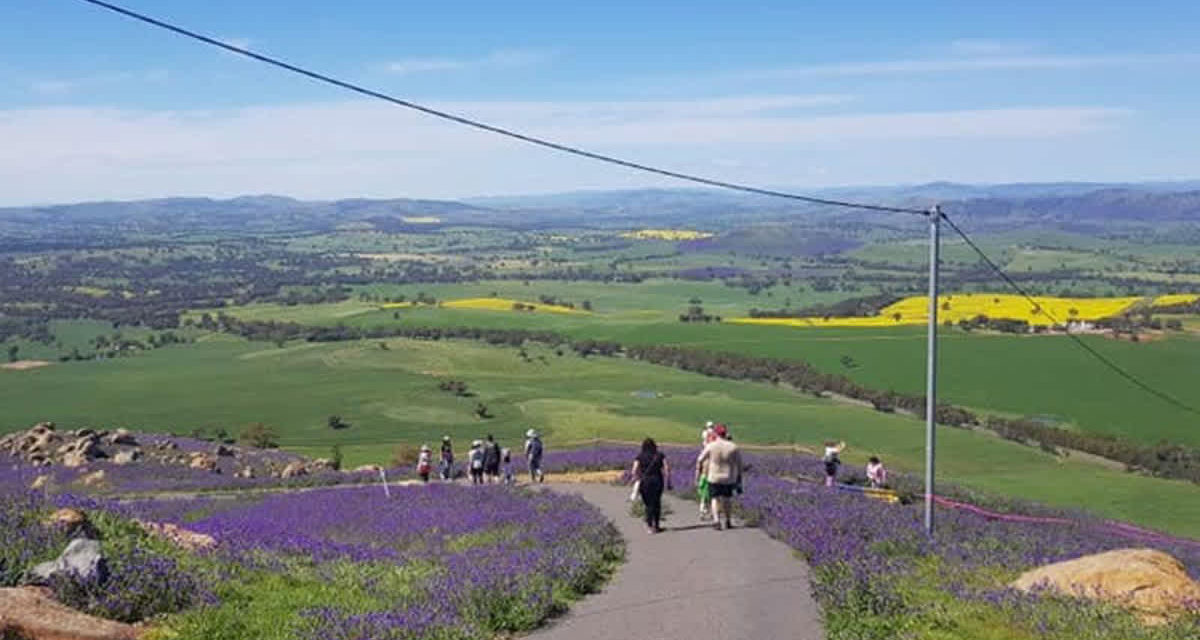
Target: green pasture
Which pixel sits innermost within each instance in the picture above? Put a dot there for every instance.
(390, 396)
(653, 300)
(1045, 376)
(72, 334)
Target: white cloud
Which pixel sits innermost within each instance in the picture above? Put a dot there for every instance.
(368, 149)
(62, 86)
(240, 43)
(52, 87)
(500, 59)
(989, 47)
(974, 63)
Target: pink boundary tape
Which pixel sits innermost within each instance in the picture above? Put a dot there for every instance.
(1122, 529)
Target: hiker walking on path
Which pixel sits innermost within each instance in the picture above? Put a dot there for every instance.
(533, 454)
(446, 465)
(424, 463)
(721, 462)
(475, 462)
(651, 474)
(832, 461)
(876, 473)
(491, 459)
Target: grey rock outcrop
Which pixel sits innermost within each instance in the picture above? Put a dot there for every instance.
(82, 559)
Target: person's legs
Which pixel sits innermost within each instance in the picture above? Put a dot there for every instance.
(727, 510)
(652, 501)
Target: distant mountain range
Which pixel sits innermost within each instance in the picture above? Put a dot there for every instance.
(1050, 203)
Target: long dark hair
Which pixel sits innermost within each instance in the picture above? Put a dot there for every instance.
(649, 448)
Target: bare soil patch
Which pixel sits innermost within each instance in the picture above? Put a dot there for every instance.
(25, 365)
(585, 477)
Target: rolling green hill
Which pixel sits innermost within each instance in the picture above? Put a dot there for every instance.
(390, 396)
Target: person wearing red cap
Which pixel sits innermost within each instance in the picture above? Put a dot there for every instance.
(721, 463)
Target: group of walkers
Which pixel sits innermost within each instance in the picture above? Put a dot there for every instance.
(718, 476)
(487, 461)
(876, 472)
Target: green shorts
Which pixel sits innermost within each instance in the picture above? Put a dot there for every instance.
(702, 489)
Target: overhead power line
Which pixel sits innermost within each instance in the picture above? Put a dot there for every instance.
(509, 133)
(1100, 357)
(576, 151)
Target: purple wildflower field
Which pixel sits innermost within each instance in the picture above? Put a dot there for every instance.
(449, 561)
(437, 561)
(495, 559)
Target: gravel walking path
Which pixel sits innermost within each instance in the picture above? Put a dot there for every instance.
(691, 582)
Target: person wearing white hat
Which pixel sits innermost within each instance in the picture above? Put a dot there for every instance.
(424, 463)
(475, 462)
(533, 454)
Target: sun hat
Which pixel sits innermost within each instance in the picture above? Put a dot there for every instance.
(477, 443)
(445, 438)
(424, 447)
(531, 434)
(721, 430)
(708, 425)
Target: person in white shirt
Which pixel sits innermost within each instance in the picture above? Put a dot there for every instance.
(876, 473)
(721, 463)
(832, 461)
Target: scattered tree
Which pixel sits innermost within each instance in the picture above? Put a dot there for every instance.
(336, 423)
(260, 436)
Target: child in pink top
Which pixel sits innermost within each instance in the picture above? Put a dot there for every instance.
(876, 474)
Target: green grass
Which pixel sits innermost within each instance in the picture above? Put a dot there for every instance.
(651, 300)
(73, 334)
(1026, 375)
(1046, 376)
(268, 605)
(391, 397)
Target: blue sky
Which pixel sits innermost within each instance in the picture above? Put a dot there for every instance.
(801, 94)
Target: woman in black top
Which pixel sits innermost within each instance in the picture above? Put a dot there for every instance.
(652, 472)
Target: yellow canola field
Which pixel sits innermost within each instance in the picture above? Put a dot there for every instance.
(965, 306)
(397, 305)
(1176, 298)
(666, 234)
(505, 304)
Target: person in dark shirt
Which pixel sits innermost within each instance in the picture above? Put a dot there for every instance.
(491, 459)
(446, 466)
(652, 473)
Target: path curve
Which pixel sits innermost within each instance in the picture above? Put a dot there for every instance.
(691, 582)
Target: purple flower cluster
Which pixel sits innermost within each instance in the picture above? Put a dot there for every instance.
(26, 540)
(501, 558)
(141, 581)
(862, 549)
(142, 584)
